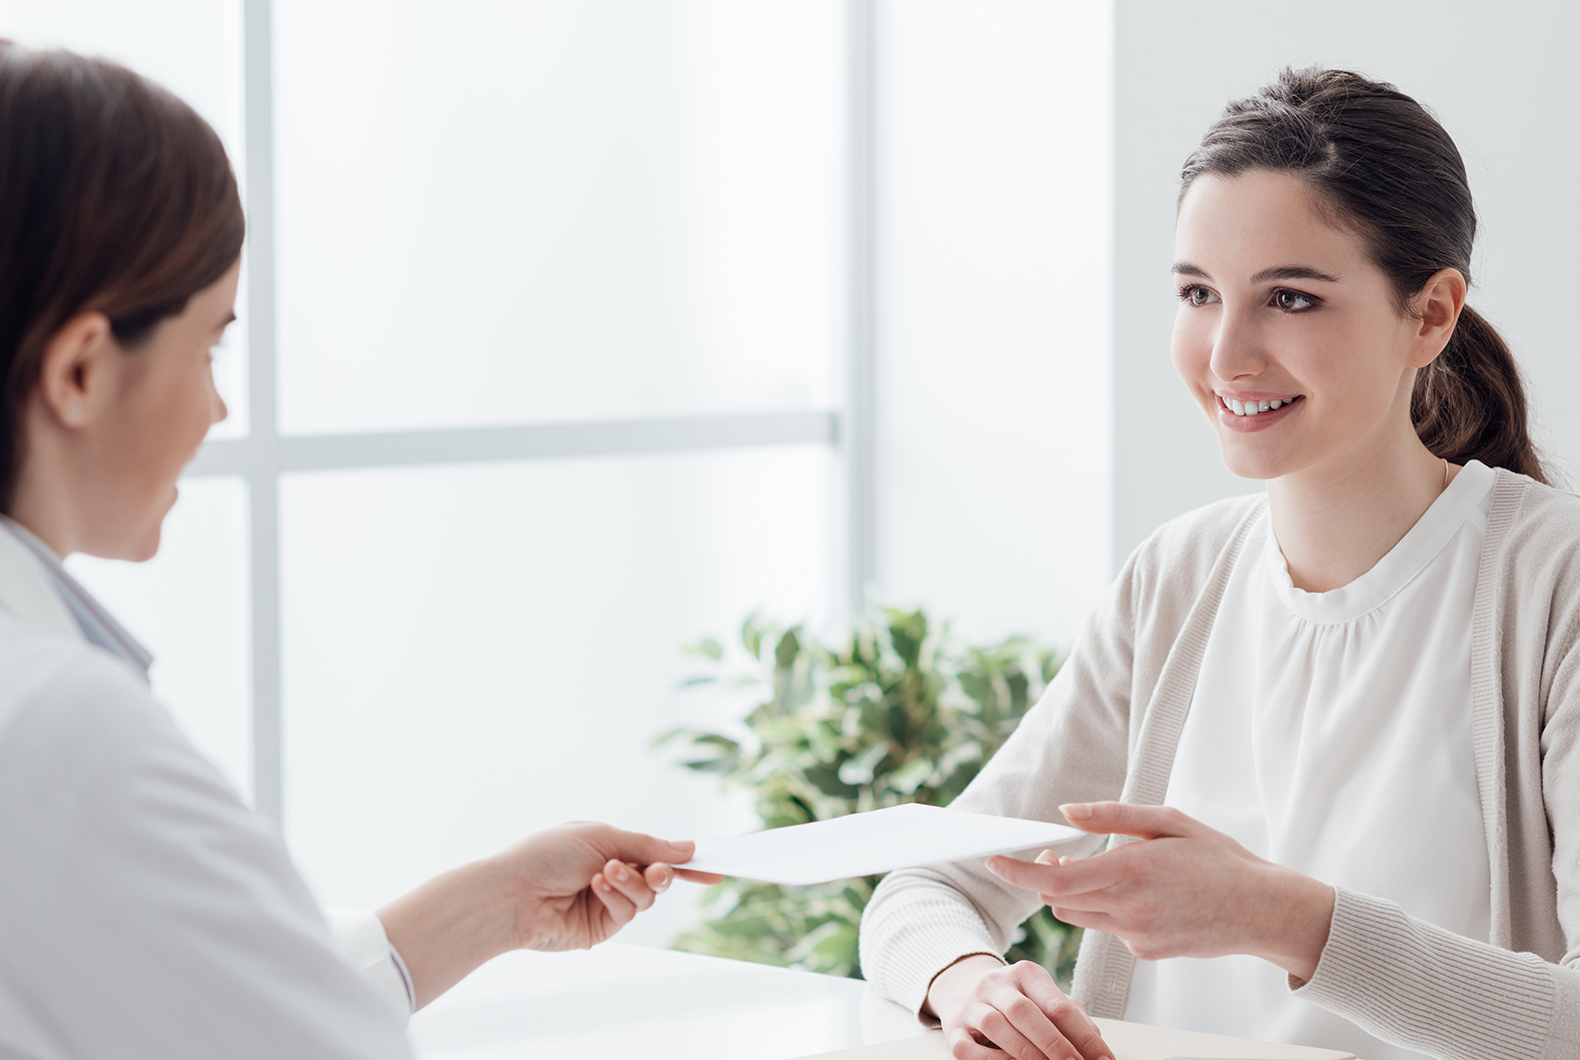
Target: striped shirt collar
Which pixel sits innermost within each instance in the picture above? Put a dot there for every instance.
(97, 624)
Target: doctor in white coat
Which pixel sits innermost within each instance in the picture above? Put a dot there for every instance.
(144, 910)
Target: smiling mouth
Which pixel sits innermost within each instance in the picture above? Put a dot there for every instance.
(1248, 409)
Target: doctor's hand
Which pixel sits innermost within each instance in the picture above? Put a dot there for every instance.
(990, 1011)
(576, 885)
(565, 888)
(1185, 890)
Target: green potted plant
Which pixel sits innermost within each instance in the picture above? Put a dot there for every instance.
(897, 712)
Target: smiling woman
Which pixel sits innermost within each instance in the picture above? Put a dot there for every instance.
(1391, 183)
(1332, 733)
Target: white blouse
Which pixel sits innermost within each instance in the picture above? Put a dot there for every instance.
(145, 912)
(1331, 733)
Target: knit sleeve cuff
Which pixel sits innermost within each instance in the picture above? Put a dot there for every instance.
(1421, 987)
(915, 936)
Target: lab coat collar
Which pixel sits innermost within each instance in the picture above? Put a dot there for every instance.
(28, 592)
(35, 587)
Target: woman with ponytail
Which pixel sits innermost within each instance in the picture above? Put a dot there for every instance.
(1325, 739)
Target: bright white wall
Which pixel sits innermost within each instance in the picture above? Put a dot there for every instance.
(993, 310)
(1498, 77)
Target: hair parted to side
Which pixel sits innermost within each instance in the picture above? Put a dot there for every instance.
(115, 197)
(1384, 166)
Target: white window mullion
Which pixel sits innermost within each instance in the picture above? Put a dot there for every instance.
(332, 452)
(261, 445)
(856, 438)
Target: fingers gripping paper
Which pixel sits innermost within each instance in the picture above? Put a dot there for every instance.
(866, 844)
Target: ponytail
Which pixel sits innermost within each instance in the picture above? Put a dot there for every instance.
(1469, 404)
(1387, 168)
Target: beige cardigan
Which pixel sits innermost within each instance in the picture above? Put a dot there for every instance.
(1108, 727)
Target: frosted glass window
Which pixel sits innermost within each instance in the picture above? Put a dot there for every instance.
(473, 653)
(189, 605)
(556, 210)
(191, 47)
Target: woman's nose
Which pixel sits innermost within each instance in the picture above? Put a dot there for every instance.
(1237, 349)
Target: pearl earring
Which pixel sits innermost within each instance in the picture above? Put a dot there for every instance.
(76, 410)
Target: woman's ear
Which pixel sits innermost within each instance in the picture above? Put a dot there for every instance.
(1437, 312)
(78, 367)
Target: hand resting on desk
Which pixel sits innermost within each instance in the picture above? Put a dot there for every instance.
(989, 1011)
(570, 887)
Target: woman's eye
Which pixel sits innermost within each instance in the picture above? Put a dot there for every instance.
(1292, 301)
(1196, 295)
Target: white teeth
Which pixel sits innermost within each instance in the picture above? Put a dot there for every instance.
(1252, 408)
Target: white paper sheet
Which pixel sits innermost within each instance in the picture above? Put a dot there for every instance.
(865, 844)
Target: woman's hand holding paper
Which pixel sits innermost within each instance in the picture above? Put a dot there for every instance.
(1185, 890)
(565, 888)
(576, 885)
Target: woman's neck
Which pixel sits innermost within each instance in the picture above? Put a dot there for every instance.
(1335, 521)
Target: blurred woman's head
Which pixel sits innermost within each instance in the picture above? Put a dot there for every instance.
(1324, 246)
(120, 239)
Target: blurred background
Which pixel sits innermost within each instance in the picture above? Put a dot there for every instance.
(574, 331)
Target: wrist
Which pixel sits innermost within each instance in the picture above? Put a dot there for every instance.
(498, 920)
(448, 926)
(955, 981)
(1300, 914)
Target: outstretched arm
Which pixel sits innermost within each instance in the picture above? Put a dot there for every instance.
(1186, 890)
(566, 888)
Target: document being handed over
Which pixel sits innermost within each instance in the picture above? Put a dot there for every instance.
(865, 844)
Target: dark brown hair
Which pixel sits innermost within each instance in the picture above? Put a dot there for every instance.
(115, 196)
(1384, 166)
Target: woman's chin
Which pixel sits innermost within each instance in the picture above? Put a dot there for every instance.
(147, 548)
(143, 545)
(1251, 461)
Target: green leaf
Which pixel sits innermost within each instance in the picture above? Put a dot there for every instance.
(707, 646)
(826, 779)
(910, 776)
(666, 737)
(788, 648)
(859, 771)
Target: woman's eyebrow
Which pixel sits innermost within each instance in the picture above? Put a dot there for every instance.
(1278, 272)
(1293, 272)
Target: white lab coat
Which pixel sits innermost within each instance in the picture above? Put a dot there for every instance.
(145, 912)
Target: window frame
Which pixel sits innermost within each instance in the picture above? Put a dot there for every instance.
(264, 454)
